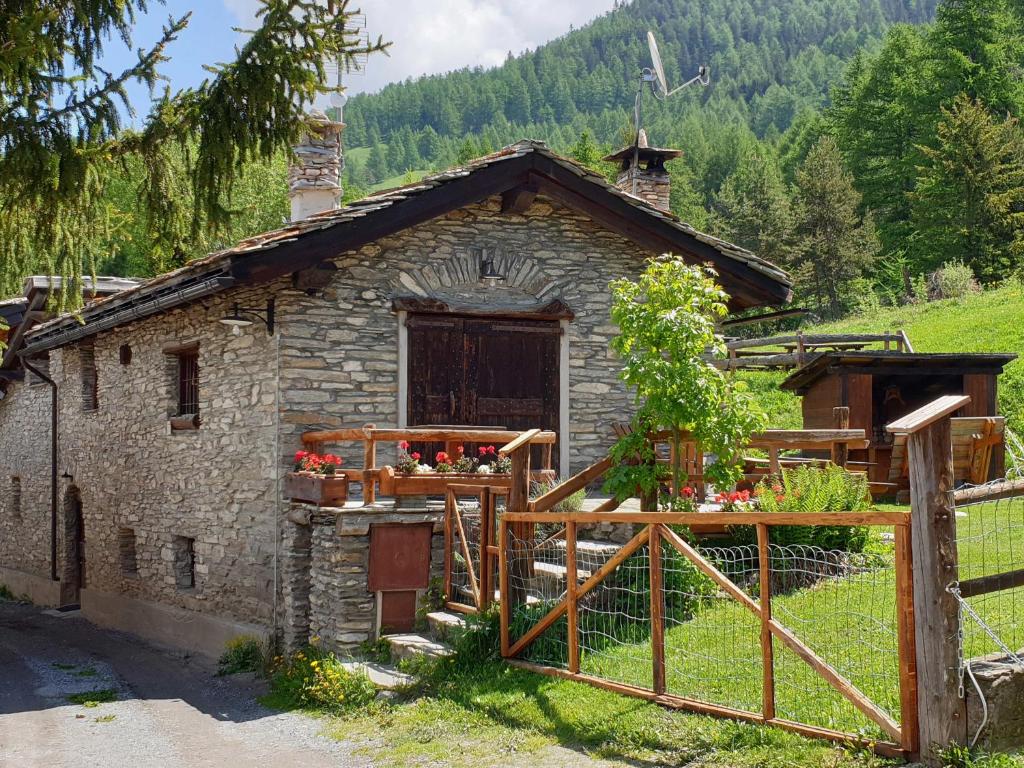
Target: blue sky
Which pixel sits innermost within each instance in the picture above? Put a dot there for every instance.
(428, 36)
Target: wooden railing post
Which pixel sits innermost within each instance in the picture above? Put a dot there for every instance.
(486, 533)
(941, 711)
(518, 502)
(906, 641)
(571, 588)
(767, 649)
(369, 465)
(657, 609)
(449, 511)
(841, 420)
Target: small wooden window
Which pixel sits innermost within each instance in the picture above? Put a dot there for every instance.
(90, 393)
(126, 547)
(16, 497)
(124, 354)
(184, 562)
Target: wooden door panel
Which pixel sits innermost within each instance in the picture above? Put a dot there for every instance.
(472, 371)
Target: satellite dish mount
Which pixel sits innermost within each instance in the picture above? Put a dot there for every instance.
(655, 75)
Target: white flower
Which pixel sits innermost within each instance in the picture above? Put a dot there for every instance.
(484, 469)
(423, 469)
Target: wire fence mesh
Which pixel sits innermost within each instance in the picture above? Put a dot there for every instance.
(990, 542)
(465, 538)
(841, 605)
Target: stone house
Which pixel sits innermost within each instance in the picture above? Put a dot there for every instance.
(476, 296)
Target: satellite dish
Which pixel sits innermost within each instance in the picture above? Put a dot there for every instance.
(656, 74)
(659, 67)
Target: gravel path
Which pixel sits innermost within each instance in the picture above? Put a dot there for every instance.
(170, 711)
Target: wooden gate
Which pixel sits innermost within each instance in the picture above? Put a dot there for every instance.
(612, 611)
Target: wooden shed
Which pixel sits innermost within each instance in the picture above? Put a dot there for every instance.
(879, 387)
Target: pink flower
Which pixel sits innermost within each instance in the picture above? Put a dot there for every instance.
(441, 458)
(415, 455)
(404, 445)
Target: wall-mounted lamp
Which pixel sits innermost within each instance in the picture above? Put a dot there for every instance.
(488, 274)
(242, 317)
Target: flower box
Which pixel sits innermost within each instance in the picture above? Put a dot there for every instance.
(322, 490)
(394, 483)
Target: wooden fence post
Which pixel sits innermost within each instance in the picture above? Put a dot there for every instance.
(942, 712)
(657, 609)
(518, 502)
(841, 451)
(571, 587)
(767, 648)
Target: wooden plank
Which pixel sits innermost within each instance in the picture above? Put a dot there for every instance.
(709, 570)
(906, 641)
(715, 518)
(473, 585)
(928, 414)
(564, 490)
(504, 601)
(841, 451)
(812, 339)
(673, 701)
(572, 607)
(819, 665)
(522, 439)
(369, 464)
(829, 674)
(449, 511)
(486, 535)
(461, 608)
(767, 647)
(942, 713)
(657, 609)
(997, 582)
(992, 492)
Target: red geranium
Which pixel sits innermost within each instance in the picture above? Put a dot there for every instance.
(404, 445)
(688, 492)
(415, 455)
(441, 458)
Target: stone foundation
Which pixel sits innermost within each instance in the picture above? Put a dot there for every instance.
(1002, 685)
(325, 561)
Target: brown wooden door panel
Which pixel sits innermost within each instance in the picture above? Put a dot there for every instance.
(475, 371)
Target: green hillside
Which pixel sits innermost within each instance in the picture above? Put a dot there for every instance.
(770, 60)
(984, 322)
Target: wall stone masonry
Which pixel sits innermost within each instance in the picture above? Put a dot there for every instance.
(25, 479)
(216, 485)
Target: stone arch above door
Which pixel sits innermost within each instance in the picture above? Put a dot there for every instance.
(457, 280)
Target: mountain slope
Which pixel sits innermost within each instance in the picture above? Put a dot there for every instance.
(769, 60)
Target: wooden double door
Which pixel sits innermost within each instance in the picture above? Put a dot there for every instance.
(483, 372)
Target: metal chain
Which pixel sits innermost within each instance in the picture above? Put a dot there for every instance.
(965, 607)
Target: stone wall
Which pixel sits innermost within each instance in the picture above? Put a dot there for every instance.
(999, 721)
(342, 610)
(25, 478)
(340, 347)
(206, 496)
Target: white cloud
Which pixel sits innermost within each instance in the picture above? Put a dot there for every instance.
(431, 36)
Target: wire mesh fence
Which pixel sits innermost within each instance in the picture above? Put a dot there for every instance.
(990, 552)
(840, 607)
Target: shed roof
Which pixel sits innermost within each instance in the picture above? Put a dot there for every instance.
(895, 363)
(527, 165)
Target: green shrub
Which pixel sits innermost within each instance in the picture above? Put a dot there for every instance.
(813, 489)
(244, 653)
(92, 699)
(315, 679)
(954, 280)
(572, 503)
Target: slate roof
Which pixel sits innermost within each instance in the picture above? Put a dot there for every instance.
(377, 205)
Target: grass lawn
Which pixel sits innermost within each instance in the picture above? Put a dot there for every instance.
(984, 322)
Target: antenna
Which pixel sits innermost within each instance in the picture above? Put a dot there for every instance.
(656, 75)
(355, 36)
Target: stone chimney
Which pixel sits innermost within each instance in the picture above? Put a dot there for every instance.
(314, 177)
(642, 171)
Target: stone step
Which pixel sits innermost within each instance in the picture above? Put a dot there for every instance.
(445, 626)
(410, 646)
(383, 676)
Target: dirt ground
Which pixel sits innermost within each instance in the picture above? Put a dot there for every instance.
(170, 711)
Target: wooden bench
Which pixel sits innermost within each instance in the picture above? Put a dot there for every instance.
(974, 440)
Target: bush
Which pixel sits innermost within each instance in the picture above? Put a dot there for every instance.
(572, 503)
(242, 654)
(813, 489)
(315, 679)
(954, 280)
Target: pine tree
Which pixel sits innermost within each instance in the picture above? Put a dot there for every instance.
(377, 164)
(62, 141)
(587, 153)
(969, 201)
(753, 209)
(835, 244)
